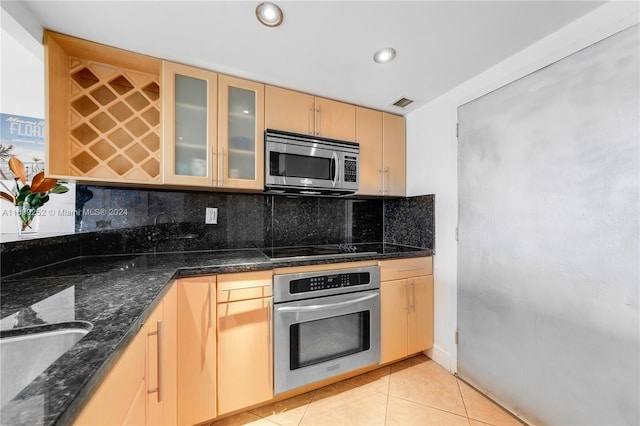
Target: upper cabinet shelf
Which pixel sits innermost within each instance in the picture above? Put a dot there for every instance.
(191, 107)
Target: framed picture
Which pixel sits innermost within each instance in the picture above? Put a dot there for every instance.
(22, 137)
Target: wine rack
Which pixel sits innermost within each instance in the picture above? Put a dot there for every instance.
(114, 122)
(103, 113)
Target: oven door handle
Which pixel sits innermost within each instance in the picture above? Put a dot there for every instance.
(325, 307)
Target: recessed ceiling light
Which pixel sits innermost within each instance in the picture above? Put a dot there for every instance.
(385, 55)
(269, 14)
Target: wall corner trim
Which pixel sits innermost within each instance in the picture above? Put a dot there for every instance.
(440, 357)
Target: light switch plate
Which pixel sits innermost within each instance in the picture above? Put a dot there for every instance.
(211, 216)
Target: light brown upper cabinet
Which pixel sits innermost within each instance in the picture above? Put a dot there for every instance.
(102, 112)
(369, 136)
(189, 118)
(394, 155)
(213, 129)
(121, 117)
(302, 113)
(241, 133)
(382, 152)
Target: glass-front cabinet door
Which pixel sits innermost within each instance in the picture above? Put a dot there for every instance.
(241, 133)
(189, 112)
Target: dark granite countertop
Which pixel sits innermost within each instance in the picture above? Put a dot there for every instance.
(115, 293)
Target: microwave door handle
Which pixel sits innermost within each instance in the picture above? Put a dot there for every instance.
(325, 307)
(336, 172)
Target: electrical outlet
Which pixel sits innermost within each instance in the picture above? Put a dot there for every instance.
(211, 216)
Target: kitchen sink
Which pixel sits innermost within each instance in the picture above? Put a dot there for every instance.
(25, 353)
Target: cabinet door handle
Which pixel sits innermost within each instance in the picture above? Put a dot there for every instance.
(328, 306)
(385, 190)
(269, 339)
(416, 268)
(158, 333)
(210, 303)
(406, 290)
(381, 181)
(212, 164)
(413, 291)
(246, 287)
(221, 169)
(319, 118)
(311, 119)
(269, 322)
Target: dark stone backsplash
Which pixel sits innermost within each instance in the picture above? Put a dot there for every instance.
(120, 220)
(410, 221)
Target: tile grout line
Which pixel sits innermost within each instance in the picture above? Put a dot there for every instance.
(386, 410)
(388, 399)
(432, 406)
(315, 392)
(427, 405)
(490, 400)
(464, 403)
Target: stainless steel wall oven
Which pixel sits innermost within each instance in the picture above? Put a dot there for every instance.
(325, 323)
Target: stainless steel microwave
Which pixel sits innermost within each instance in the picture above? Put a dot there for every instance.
(304, 164)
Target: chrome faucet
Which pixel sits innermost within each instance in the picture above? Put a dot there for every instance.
(155, 220)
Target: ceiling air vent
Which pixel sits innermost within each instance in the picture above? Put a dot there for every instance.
(403, 102)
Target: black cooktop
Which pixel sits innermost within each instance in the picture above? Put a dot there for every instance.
(282, 253)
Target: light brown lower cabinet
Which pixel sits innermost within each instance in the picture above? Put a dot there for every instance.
(121, 398)
(196, 350)
(140, 388)
(161, 332)
(245, 354)
(207, 348)
(406, 308)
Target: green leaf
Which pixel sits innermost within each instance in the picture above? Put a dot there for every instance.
(21, 197)
(59, 189)
(23, 208)
(34, 199)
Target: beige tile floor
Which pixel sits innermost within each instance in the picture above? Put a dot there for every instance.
(416, 391)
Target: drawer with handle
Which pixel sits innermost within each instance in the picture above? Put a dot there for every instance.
(244, 286)
(397, 269)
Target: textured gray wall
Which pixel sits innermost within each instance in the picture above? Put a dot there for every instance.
(548, 256)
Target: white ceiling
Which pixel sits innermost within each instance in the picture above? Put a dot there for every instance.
(323, 47)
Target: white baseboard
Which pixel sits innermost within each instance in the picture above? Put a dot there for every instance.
(439, 356)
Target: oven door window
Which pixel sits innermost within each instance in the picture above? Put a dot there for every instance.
(330, 338)
(301, 166)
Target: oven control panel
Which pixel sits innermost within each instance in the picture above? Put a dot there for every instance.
(314, 284)
(327, 282)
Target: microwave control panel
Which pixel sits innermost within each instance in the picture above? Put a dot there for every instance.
(350, 169)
